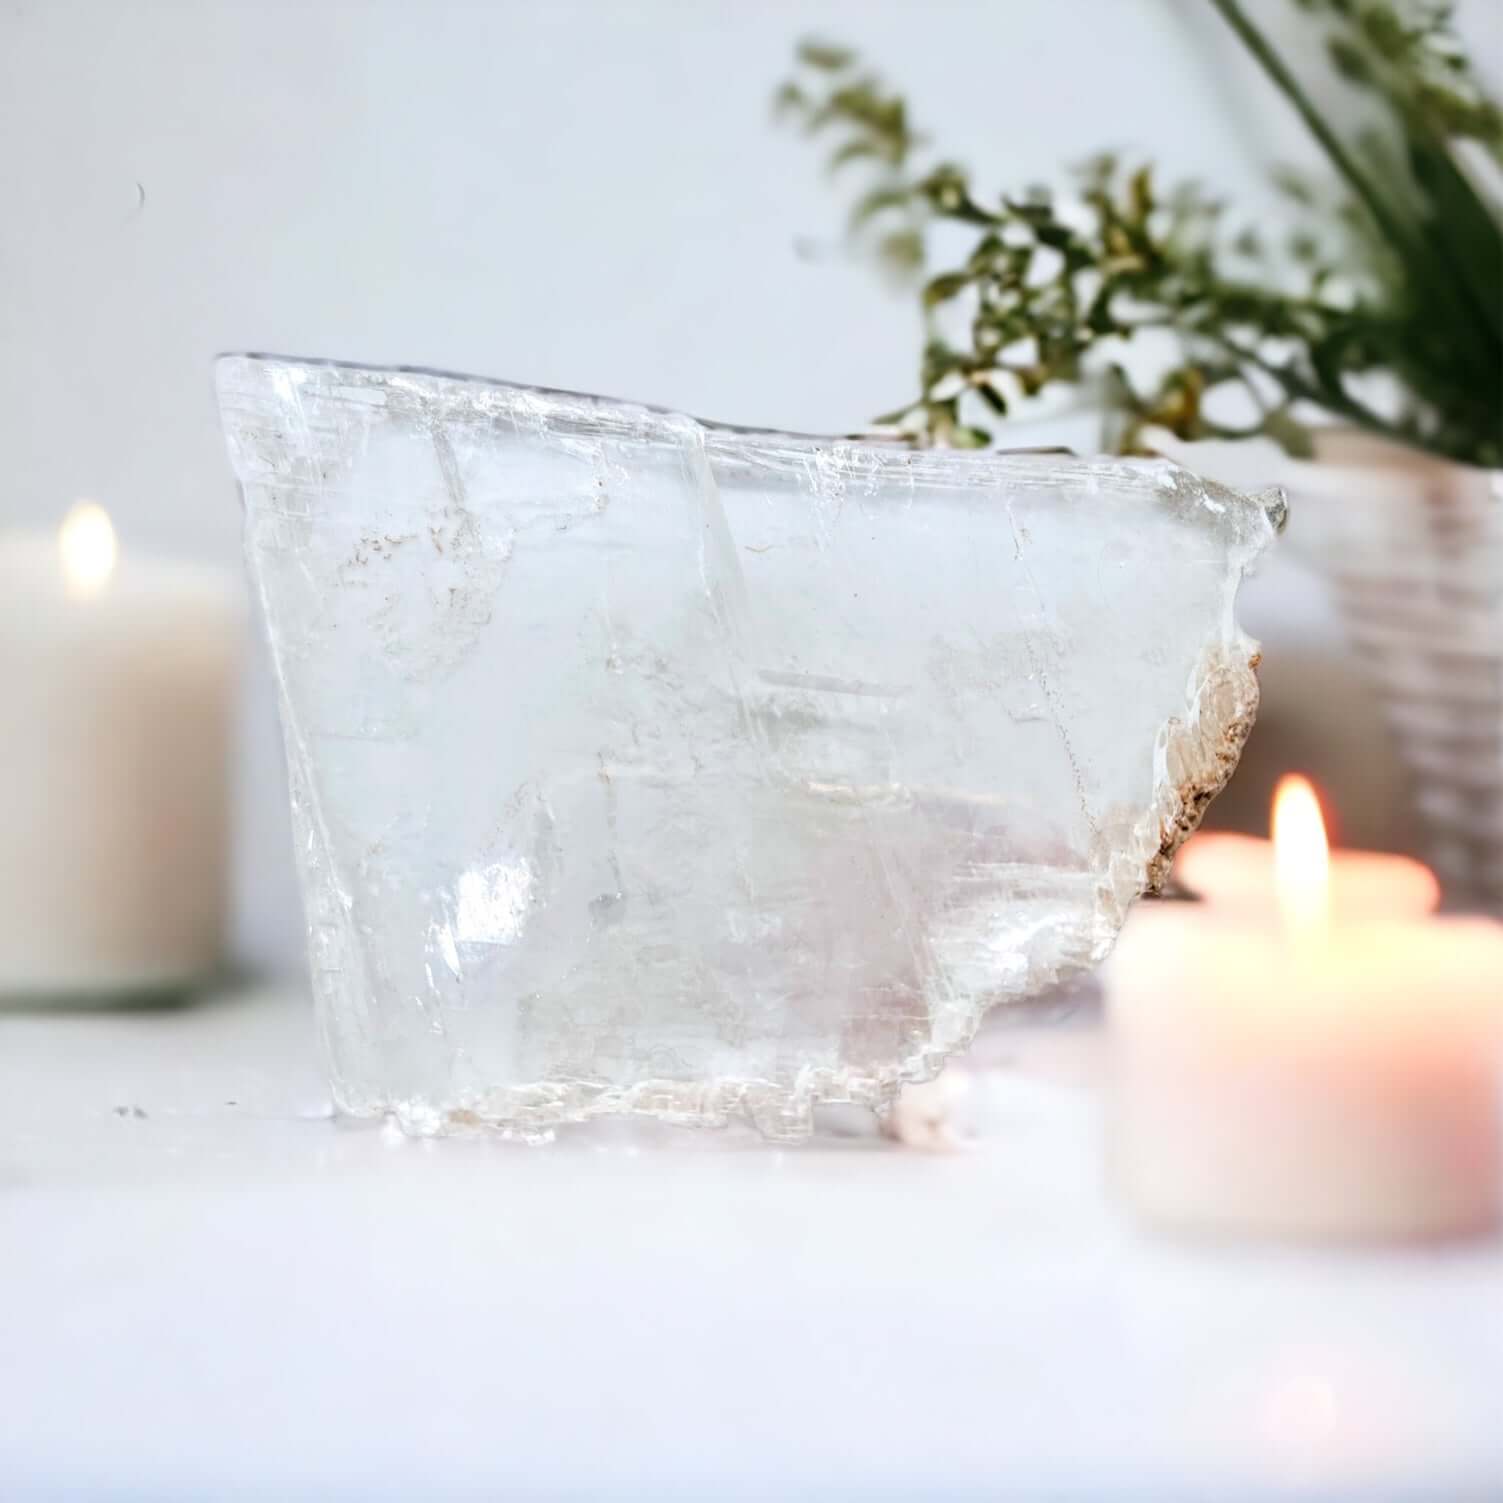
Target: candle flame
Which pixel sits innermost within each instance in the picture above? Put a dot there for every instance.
(1301, 856)
(86, 546)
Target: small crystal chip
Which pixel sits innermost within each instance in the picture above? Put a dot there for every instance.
(640, 764)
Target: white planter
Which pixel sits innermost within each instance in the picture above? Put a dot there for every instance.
(1412, 547)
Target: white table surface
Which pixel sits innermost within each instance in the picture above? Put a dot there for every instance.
(213, 1288)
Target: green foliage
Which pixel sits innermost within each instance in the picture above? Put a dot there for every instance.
(1395, 268)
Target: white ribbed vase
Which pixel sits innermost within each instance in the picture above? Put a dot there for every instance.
(1413, 549)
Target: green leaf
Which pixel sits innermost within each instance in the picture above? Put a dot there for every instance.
(829, 57)
(992, 397)
(1058, 236)
(982, 258)
(1303, 246)
(1099, 170)
(1349, 61)
(902, 250)
(944, 287)
(948, 191)
(940, 361)
(854, 151)
(878, 201)
(1033, 378)
(1472, 241)
(789, 99)
(1292, 436)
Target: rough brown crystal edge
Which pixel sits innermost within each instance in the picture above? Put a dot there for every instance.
(1220, 752)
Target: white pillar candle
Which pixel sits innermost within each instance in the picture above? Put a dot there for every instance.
(1290, 1070)
(117, 680)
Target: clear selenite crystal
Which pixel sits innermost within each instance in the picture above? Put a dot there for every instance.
(644, 765)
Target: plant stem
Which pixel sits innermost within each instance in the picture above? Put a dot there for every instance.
(1273, 65)
(1297, 387)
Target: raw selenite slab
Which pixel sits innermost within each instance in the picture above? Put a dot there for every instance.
(644, 765)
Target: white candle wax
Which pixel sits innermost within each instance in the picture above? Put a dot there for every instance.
(1307, 1053)
(1238, 871)
(1345, 1089)
(117, 684)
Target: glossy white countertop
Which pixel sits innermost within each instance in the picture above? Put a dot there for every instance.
(211, 1287)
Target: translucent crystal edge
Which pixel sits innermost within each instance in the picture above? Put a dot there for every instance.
(1195, 756)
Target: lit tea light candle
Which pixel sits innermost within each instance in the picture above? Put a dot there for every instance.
(86, 550)
(1239, 871)
(1288, 1063)
(117, 675)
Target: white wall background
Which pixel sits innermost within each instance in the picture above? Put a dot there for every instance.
(585, 195)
